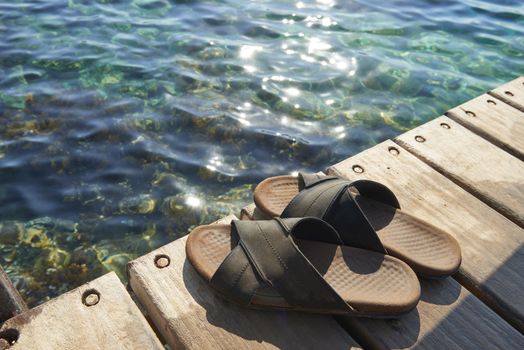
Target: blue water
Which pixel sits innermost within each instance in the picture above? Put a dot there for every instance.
(125, 123)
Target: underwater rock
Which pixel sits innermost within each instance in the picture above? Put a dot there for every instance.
(118, 226)
(170, 182)
(54, 224)
(54, 257)
(183, 205)
(46, 231)
(19, 128)
(142, 204)
(36, 237)
(11, 232)
(212, 52)
(152, 4)
(83, 256)
(118, 263)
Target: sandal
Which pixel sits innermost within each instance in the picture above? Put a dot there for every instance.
(299, 264)
(370, 219)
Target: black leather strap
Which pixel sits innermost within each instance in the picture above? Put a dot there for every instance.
(275, 260)
(236, 278)
(310, 180)
(376, 191)
(330, 199)
(354, 227)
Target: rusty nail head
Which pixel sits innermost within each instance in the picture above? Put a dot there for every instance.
(91, 297)
(394, 151)
(8, 337)
(358, 169)
(162, 261)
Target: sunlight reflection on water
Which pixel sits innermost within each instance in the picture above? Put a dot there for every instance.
(125, 126)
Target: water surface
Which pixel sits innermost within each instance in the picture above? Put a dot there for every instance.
(125, 123)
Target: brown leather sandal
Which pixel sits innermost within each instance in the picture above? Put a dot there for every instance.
(370, 219)
(299, 264)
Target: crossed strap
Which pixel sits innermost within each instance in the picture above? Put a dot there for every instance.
(329, 198)
(267, 259)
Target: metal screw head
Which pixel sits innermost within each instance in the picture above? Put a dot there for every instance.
(445, 125)
(471, 114)
(419, 138)
(90, 297)
(162, 261)
(394, 151)
(8, 337)
(358, 169)
(509, 93)
(491, 102)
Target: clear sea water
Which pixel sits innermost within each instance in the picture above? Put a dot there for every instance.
(125, 123)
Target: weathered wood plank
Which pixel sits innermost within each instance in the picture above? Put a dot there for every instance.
(10, 300)
(512, 93)
(447, 317)
(190, 316)
(494, 120)
(112, 322)
(492, 246)
(492, 175)
(251, 212)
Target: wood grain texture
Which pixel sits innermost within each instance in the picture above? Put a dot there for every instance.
(447, 317)
(494, 120)
(190, 316)
(11, 303)
(251, 212)
(66, 323)
(492, 246)
(512, 93)
(491, 174)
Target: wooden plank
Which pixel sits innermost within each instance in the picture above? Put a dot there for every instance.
(113, 321)
(11, 301)
(512, 93)
(447, 317)
(190, 316)
(492, 175)
(251, 212)
(494, 120)
(492, 246)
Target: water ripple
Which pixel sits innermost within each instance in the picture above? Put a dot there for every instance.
(125, 123)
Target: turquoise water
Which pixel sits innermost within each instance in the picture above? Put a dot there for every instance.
(125, 123)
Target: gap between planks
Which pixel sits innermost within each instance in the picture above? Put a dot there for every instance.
(99, 315)
(494, 120)
(490, 243)
(484, 170)
(512, 93)
(438, 321)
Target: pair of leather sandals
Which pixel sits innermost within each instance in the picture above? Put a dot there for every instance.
(333, 246)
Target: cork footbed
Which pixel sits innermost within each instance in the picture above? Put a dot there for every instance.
(429, 251)
(373, 284)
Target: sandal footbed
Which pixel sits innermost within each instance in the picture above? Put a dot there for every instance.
(372, 283)
(429, 251)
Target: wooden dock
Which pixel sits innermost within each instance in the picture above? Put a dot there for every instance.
(462, 172)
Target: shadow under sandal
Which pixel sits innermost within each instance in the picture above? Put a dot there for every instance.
(366, 214)
(280, 264)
